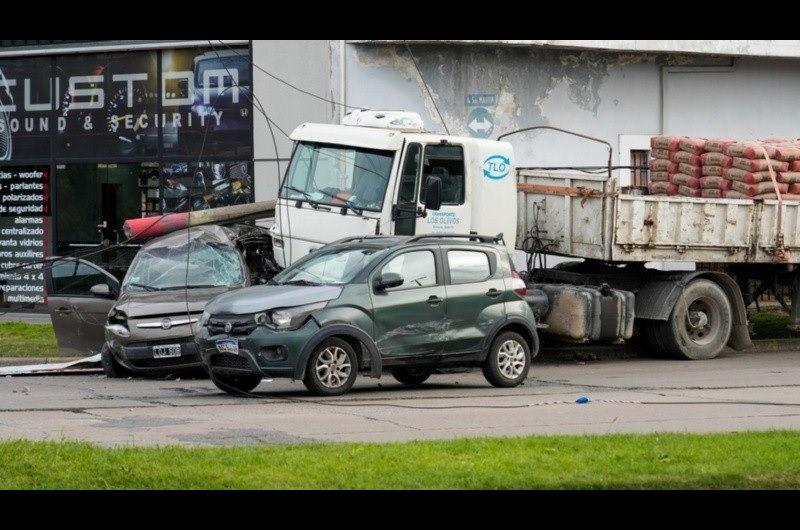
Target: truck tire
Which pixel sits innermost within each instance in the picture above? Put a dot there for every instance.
(111, 366)
(412, 375)
(706, 330)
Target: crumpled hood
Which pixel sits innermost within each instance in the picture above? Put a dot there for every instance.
(264, 297)
(172, 302)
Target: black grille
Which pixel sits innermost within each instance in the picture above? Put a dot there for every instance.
(240, 324)
(172, 362)
(229, 361)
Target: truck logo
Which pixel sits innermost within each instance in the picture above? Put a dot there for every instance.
(496, 167)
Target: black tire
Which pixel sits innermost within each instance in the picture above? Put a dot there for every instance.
(324, 381)
(496, 369)
(412, 375)
(111, 367)
(236, 385)
(705, 334)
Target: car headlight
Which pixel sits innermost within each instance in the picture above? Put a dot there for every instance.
(293, 317)
(204, 319)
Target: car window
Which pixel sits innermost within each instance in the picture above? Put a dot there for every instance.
(417, 268)
(73, 278)
(467, 266)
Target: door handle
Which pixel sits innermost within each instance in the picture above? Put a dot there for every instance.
(434, 300)
(493, 293)
(63, 311)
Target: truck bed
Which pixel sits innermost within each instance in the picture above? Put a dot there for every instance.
(586, 216)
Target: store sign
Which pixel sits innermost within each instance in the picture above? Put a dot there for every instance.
(107, 105)
(24, 228)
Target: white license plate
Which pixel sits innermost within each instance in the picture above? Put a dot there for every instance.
(228, 346)
(166, 350)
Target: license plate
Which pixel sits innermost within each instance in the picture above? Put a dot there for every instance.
(228, 346)
(166, 350)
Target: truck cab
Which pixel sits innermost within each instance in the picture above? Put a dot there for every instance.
(380, 173)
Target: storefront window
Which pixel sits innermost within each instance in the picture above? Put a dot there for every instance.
(204, 185)
(26, 104)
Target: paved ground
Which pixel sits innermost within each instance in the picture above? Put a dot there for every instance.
(733, 392)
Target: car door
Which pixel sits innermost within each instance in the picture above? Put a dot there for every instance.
(410, 319)
(475, 293)
(78, 316)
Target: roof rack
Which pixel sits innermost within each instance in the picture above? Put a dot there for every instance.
(361, 238)
(472, 237)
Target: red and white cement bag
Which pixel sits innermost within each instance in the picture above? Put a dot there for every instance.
(712, 171)
(757, 188)
(682, 179)
(662, 154)
(750, 150)
(686, 191)
(689, 169)
(717, 183)
(671, 143)
(741, 175)
(794, 166)
(657, 164)
(776, 140)
(692, 145)
(784, 196)
(662, 188)
(716, 159)
(759, 164)
(659, 176)
(718, 145)
(788, 153)
(733, 194)
(789, 177)
(686, 158)
(794, 188)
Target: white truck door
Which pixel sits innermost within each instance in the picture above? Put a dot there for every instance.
(446, 161)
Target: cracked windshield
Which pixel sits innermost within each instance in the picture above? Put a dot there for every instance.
(211, 265)
(338, 176)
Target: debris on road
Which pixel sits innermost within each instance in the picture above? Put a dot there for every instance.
(85, 365)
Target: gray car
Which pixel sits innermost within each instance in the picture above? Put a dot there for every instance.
(144, 323)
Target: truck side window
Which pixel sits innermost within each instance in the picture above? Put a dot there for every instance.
(447, 163)
(406, 193)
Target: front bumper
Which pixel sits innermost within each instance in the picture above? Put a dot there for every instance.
(262, 351)
(138, 356)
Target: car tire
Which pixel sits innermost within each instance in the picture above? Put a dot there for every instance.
(705, 334)
(236, 385)
(111, 367)
(332, 368)
(412, 375)
(508, 360)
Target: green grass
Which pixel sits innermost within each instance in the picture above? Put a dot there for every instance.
(771, 323)
(20, 339)
(738, 460)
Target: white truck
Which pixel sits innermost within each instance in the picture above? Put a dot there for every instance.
(380, 173)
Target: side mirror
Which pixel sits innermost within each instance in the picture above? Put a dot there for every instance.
(387, 280)
(433, 193)
(101, 290)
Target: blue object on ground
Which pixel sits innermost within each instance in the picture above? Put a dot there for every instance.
(582, 400)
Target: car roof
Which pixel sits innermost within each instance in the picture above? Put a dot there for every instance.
(427, 239)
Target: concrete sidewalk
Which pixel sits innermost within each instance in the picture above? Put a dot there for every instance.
(28, 318)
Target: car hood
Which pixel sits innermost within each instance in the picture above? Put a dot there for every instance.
(172, 302)
(264, 297)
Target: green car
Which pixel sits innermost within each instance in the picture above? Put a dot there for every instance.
(409, 305)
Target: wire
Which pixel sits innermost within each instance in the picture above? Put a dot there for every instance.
(446, 130)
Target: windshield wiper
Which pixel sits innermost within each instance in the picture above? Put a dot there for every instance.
(309, 200)
(145, 287)
(300, 282)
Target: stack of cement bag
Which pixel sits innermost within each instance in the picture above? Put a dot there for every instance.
(724, 168)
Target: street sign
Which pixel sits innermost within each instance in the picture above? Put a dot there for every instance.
(480, 123)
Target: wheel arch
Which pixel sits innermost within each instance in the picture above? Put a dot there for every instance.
(517, 325)
(657, 298)
(361, 342)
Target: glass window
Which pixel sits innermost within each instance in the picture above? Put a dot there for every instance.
(407, 192)
(163, 268)
(467, 266)
(418, 269)
(447, 163)
(338, 175)
(75, 278)
(334, 267)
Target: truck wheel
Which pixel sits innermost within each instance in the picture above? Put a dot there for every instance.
(411, 375)
(236, 385)
(332, 368)
(700, 324)
(111, 366)
(508, 361)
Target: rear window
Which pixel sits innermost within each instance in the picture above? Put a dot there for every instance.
(467, 266)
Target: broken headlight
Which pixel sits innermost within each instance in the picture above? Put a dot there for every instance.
(118, 324)
(289, 318)
(204, 319)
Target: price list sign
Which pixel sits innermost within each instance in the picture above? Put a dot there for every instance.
(24, 229)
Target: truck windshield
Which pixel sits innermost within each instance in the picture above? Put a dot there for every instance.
(163, 268)
(336, 267)
(338, 175)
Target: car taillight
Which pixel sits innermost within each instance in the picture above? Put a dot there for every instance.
(518, 284)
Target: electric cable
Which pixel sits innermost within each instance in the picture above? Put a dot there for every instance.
(427, 89)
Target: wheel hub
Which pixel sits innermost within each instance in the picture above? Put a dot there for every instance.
(511, 359)
(332, 367)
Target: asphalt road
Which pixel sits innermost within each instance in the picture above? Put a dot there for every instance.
(734, 392)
